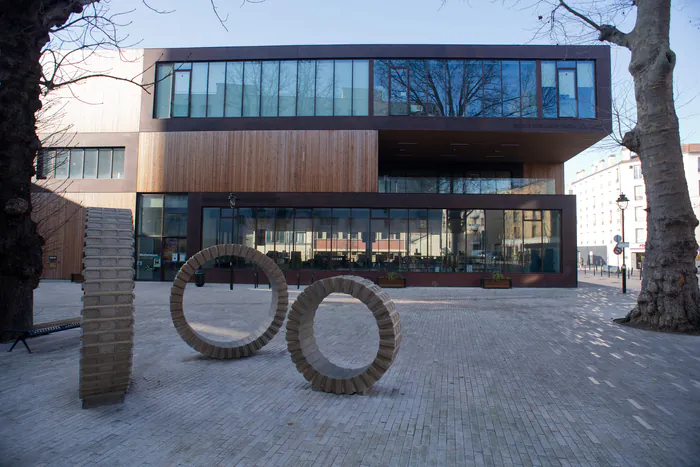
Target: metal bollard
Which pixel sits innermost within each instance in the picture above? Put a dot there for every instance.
(298, 280)
(608, 272)
(230, 277)
(313, 274)
(256, 279)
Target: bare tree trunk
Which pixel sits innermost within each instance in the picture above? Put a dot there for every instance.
(669, 297)
(24, 30)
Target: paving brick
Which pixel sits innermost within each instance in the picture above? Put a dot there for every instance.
(477, 375)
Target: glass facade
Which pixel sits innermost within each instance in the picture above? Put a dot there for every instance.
(84, 163)
(161, 236)
(410, 240)
(568, 89)
(469, 182)
(417, 87)
(456, 88)
(267, 88)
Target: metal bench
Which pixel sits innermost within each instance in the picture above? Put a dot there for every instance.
(43, 329)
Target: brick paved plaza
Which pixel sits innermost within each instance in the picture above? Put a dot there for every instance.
(500, 377)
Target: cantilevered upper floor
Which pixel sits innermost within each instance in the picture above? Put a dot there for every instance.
(543, 103)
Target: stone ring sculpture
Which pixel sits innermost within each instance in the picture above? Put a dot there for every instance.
(309, 360)
(257, 339)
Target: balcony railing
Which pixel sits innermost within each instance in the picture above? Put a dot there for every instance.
(468, 186)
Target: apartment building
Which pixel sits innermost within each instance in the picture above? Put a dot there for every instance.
(598, 218)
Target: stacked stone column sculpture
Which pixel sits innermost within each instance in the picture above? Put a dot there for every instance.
(108, 307)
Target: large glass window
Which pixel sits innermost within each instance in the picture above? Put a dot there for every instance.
(234, 89)
(567, 89)
(270, 88)
(211, 217)
(91, 163)
(265, 231)
(117, 162)
(379, 227)
(303, 253)
(164, 89)
(586, 89)
(284, 237)
(398, 238)
(342, 94)
(79, 163)
(175, 218)
(381, 87)
(399, 90)
(342, 248)
(493, 104)
(528, 89)
(104, 164)
(324, 87)
(323, 232)
(420, 87)
(513, 241)
(549, 90)
(511, 88)
(76, 163)
(360, 87)
(215, 90)
(551, 241)
(150, 215)
(474, 87)
(306, 79)
(415, 240)
(181, 92)
(288, 89)
(359, 247)
(198, 92)
(251, 89)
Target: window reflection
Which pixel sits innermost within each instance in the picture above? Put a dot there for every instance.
(412, 240)
(419, 87)
(251, 89)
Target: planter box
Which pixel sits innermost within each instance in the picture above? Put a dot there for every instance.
(496, 284)
(391, 283)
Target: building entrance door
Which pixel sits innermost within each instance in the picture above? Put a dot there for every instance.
(174, 256)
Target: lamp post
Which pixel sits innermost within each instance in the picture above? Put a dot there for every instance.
(622, 202)
(232, 203)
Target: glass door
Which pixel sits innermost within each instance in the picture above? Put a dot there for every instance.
(174, 256)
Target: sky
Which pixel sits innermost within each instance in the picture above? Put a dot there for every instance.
(192, 23)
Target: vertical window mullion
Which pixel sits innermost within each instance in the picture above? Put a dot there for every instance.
(333, 90)
(206, 99)
(352, 87)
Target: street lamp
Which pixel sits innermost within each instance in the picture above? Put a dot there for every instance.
(622, 203)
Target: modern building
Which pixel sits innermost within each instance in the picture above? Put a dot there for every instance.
(443, 163)
(599, 217)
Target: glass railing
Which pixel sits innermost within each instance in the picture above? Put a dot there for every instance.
(467, 186)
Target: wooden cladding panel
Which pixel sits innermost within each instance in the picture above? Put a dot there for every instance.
(259, 161)
(61, 221)
(554, 171)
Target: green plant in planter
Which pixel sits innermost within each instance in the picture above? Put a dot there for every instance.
(499, 277)
(391, 276)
